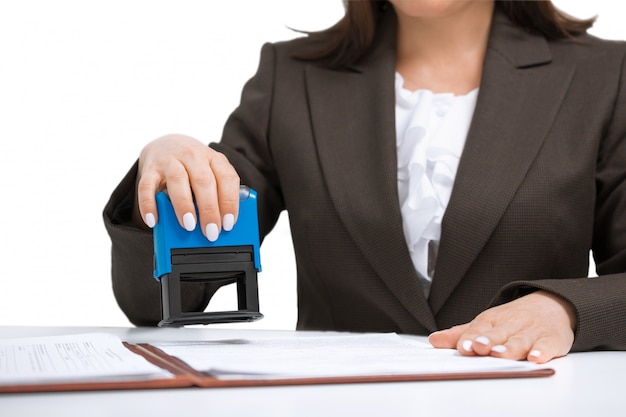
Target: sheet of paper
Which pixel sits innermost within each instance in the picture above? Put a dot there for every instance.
(70, 358)
(329, 356)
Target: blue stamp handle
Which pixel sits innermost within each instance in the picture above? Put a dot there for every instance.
(168, 234)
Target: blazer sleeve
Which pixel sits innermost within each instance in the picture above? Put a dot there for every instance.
(600, 302)
(244, 143)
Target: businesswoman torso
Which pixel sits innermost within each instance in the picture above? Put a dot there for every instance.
(540, 182)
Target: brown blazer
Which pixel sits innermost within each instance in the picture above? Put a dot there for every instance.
(542, 180)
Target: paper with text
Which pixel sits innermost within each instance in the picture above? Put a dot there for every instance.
(307, 356)
(83, 357)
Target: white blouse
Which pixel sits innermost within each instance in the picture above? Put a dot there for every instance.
(430, 135)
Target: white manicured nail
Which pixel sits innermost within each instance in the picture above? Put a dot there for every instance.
(228, 222)
(467, 345)
(499, 348)
(150, 220)
(189, 221)
(482, 340)
(535, 353)
(212, 232)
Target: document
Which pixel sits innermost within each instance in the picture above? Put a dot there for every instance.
(83, 357)
(329, 356)
(101, 361)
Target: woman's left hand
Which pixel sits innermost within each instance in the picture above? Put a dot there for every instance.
(537, 327)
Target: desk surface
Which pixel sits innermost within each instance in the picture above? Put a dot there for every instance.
(584, 384)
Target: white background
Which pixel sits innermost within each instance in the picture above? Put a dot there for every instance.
(84, 85)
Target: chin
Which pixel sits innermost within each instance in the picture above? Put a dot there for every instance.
(431, 8)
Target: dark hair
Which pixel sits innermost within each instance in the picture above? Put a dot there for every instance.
(350, 38)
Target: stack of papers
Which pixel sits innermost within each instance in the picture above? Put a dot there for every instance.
(83, 357)
(329, 356)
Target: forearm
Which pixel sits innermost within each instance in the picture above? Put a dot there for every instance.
(599, 303)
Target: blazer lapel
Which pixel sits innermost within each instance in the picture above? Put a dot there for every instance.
(353, 115)
(519, 97)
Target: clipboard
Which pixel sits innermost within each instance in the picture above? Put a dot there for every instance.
(184, 376)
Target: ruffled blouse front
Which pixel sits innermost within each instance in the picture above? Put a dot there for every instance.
(431, 129)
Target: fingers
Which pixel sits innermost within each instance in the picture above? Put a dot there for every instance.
(521, 346)
(449, 338)
(179, 191)
(227, 190)
(147, 186)
(215, 185)
(489, 344)
(189, 171)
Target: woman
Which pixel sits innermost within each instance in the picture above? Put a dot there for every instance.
(446, 166)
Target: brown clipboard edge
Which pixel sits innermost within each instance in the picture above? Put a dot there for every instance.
(176, 382)
(211, 382)
(188, 377)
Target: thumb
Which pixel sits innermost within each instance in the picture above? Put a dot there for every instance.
(448, 338)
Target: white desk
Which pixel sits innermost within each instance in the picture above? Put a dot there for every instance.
(585, 384)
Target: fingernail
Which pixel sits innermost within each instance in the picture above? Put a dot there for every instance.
(228, 222)
(535, 353)
(212, 232)
(483, 340)
(499, 348)
(189, 221)
(150, 222)
(467, 345)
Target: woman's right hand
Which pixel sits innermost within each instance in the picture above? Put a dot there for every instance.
(189, 170)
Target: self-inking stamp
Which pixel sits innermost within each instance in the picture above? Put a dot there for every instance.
(182, 256)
